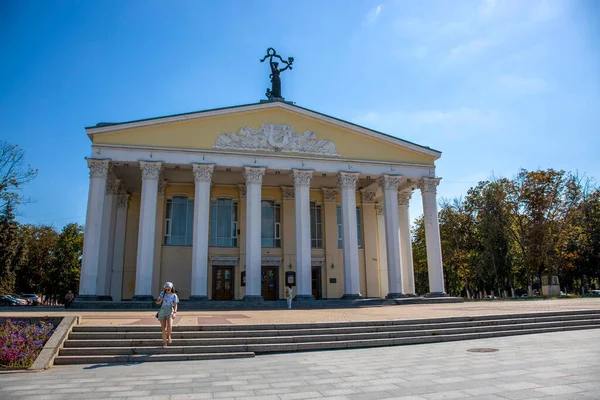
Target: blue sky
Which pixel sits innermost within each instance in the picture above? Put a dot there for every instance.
(495, 85)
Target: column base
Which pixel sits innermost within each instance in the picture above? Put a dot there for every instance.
(253, 298)
(396, 295)
(104, 298)
(304, 297)
(351, 297)
(142, 297)
(85, 297)
(198, 298)
(436, 294)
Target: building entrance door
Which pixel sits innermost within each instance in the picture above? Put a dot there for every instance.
(223, 283)
(268, 283)
(316, 282)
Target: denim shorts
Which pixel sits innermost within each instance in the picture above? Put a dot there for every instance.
(165, 312)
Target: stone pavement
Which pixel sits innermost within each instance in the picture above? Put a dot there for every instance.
(391, 312)
(564, 365)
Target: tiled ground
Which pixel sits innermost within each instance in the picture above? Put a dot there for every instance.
(563, 365)
(320, 315)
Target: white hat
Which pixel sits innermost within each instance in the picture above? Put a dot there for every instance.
(169, 285)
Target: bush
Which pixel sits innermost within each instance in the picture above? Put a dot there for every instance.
(20, 342)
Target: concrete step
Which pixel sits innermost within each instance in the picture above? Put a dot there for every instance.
(154, 333)
(102, 359)
(107, 341)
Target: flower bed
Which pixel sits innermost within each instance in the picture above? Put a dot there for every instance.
(21, 342)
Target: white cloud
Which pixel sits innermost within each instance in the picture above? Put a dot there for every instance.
(521, 84)
(373, 14)
(469, 49)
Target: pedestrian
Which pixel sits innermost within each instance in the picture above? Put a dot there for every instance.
(168, 301)
(69, 299)
(288, 296)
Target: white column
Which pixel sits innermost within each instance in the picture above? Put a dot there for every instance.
(159, 236)
(253, 176)
(347, 182)
(389, 185)
(107, 239)
(432, 236)
(303, 249)
(408, 273)
(145, 250)
(116, 281)
(202, 178)
(93, 228)
(384, 287)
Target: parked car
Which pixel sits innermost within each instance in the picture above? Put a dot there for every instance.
(594, 291)
(21, 299)
(8, 300)
(33, 299)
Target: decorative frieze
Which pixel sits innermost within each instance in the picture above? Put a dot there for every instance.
(224, 260)
(203, 172)
(368, 196)
(123, 200)
(242, 190)
(113, 186)
(162, 186)
(98, 168)
(254, 174)
(348, 179)
(270, 261)
(275, 138)
(404, 198)
(150, 169)
(389, 182)
(301, 177)
(287, 192)
(329, 195)
(379, 209)
(429, 185)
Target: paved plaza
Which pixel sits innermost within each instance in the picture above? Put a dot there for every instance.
(563, 365)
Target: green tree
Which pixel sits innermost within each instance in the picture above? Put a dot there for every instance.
(420, 257)
(35, 256)
(13, 173)
(8, 247)
(66, 267)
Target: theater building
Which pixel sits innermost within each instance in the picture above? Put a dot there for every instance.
(235, 203)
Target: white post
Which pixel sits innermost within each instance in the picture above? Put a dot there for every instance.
(202, 177)
(384, 287)
(93, 229)
(432, 236)
(253, 176)
(145, 250)
(303, 249)
(347, 182)
(107, 239)
(389, 185)
(116, 281)
(408, 273)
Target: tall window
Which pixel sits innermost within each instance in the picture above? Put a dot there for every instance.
(316, 226)
(358, 228)
(271, 224)
(179, 222)
(223, 223)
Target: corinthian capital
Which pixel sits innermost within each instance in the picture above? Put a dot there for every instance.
(379, 209)
(429, 185)
(368, 196)
(113, 186)
(348, 179)
(150, 169)
(203, 172)
(329, 195)
(404, 198)
(254, 174)
(389, 182)
(123, 200)
(287, 192)
(98, 168)
(301, 177)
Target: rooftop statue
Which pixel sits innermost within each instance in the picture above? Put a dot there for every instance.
(275, 92)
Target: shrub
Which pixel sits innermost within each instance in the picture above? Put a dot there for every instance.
(21, 342)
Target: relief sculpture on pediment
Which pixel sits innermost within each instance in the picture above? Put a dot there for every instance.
(276, 138)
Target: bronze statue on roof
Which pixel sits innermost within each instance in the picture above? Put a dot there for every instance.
(275, 92)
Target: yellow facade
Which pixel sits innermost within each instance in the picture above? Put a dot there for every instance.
(202, 134)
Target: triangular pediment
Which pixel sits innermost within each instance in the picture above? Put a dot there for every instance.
(271, 127)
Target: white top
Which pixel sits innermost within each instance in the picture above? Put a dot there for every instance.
(169, 299)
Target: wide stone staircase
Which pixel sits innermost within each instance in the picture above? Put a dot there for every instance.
(135, 343)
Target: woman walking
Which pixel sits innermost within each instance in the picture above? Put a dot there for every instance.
(168, 301)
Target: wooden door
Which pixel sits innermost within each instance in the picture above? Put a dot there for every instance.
(316, 283)
(268, 283)
(223, 283)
